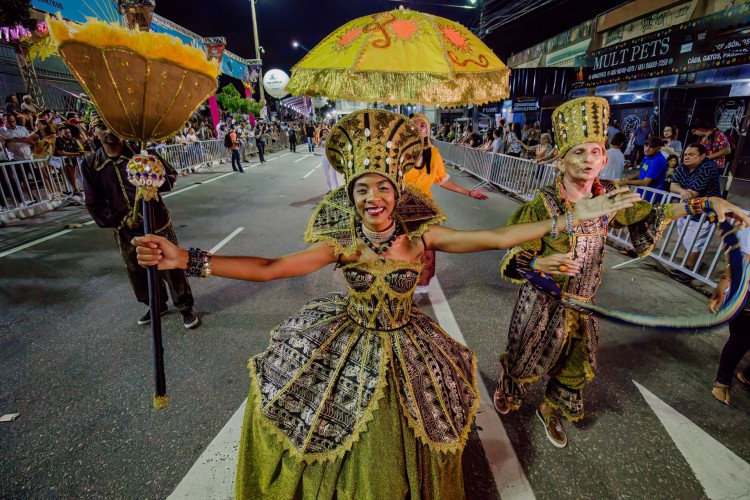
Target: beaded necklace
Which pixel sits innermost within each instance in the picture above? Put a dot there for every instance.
(381, 247)
(597, 190)
(379, 236)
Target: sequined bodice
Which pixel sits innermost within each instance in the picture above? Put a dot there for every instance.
(380, 293)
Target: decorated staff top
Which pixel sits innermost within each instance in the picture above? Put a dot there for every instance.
(402, 57)
(145, 85)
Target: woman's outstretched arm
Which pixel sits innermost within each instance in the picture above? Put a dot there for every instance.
(154, 250)
(455, 241)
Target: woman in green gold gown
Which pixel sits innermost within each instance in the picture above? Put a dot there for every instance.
(359, 394)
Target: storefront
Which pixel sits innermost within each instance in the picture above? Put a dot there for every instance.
(673, 76)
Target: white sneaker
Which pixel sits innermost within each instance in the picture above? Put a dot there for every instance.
(424, 289)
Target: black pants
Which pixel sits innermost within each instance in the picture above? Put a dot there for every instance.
(179, 288)
(293, 145)
(735, 349)
(636, 156)
(261, 150)
(236, 157)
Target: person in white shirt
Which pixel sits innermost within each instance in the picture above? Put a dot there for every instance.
(615, 159)
(17, 140)
(672, 145)
(191, 137)
(17, 143)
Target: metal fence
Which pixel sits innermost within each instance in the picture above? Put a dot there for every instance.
(523, 178)
(45, 184)
(25, 183)
(194, 156)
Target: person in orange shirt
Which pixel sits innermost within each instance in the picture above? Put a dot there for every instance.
(431, 171)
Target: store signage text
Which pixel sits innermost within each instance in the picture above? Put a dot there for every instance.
(525, 105)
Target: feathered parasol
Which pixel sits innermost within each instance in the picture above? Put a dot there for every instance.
(145, 86)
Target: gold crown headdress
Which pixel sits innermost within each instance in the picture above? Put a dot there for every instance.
(374, 141)
(579, 121)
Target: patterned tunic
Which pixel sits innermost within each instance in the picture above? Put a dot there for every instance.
(540, 328)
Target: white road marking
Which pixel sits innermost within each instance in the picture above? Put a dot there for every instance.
(32, 243)
(212, 475)
(506, 468)
(310, 172)
(66, 231)
(173, 193)
(285, 154)
(226, 240)
(623, 264)
(721, 473)
(306, 156)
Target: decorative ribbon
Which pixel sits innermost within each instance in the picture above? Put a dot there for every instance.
(733, 302)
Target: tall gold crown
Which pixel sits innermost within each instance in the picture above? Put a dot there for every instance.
(579, 121)
(374, 141)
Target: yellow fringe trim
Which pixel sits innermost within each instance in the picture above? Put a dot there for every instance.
(506, 262)
(392, 87)
(147, 44)
(386, 361)
(161, 402)
(665, 212)
(568, 416)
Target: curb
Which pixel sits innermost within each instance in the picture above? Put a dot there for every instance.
(28, 212)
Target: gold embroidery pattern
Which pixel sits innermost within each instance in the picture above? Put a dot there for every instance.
(325, 370)
(334, 218)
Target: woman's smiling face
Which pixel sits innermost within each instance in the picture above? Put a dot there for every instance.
(374, 197)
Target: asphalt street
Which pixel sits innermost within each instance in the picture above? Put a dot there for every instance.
(77, 367)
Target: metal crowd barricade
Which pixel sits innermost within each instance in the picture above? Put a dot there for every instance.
(26, 182)
(193, 156)
(679, 239)
(523, 178)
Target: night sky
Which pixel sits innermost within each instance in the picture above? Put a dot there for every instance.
(309, 21)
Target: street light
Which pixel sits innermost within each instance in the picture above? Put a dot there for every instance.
(296, 44)
(258, 49)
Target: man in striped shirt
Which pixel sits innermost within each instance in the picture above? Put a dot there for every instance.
(696, 177)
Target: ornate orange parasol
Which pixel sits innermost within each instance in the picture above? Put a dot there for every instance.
(402, 57)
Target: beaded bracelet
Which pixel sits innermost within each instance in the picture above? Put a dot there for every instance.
(555, 230)
(569, 223)
(697, 206)
(199, 263)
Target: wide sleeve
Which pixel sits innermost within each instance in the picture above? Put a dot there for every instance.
(521, 255)
(645, 223)
(437, 165)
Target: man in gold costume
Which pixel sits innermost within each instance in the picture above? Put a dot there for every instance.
(545, 337)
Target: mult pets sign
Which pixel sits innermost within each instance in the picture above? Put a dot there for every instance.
(642, 57)
(714, 41)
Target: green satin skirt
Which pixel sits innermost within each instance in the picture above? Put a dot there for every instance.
(386, 462)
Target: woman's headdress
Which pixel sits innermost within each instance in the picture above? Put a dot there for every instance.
(374, 141)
